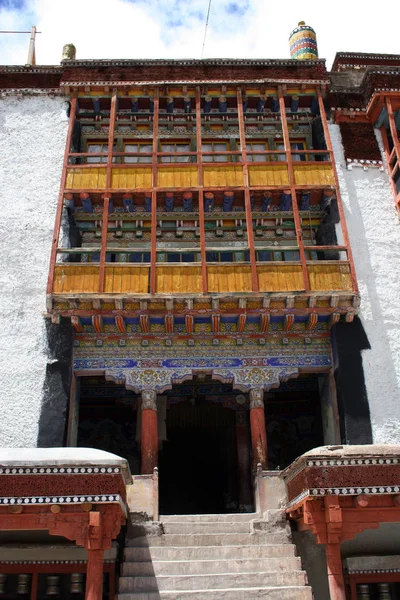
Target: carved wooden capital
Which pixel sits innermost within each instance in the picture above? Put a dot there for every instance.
(257, 398)
(149, 400)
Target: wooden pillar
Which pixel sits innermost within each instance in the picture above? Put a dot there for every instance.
(257, 428)
(60, 204)
(201, 194)
(153, 251)
(247, 202)
(149, 432)
(335, 572)
(295, 208)
(94, 575)
(243, 460)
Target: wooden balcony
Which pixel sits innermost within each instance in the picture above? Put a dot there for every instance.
(137, 176)
(131, 279)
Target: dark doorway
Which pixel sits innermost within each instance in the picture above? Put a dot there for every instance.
(198, 462)
(294, 420)
(107, 419)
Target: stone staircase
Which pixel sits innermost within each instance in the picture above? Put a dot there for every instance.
(203, 557)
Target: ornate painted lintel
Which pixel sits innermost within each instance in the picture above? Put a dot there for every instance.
(160, 380)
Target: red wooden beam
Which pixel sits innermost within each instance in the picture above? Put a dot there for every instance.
(201, 192)
(338, 196)
(247, 203)
(153, 259)
(104, 227)
(295, 208)
(60, 203)
(389, 155)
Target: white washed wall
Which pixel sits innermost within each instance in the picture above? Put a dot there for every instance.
(32, 142)
(374, 230)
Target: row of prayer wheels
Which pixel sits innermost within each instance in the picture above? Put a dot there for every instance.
(76, 584)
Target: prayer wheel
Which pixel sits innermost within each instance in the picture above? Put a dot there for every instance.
(303, 43)
(69, 52)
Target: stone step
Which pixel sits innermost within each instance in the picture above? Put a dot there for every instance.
(249, 593)
(211, 581)
(208, 552)
(209, 539)
(206, 527)
(198, 567)
(231, 518)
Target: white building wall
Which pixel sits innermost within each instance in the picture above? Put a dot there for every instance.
(32, 143)
(374, 231)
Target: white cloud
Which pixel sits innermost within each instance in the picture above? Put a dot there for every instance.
(175, 29)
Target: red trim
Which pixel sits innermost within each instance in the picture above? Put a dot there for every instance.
(249, 220)
(201, 194)
(57, 225)
(295, 208)
(153, 267)
(338, 196)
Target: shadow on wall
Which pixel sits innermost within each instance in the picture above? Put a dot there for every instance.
(375, 239)
(56, 387)
(348, 341)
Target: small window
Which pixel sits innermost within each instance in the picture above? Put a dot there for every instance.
(139, 148)
(254, 147)
(300, 145)
(280, 157)
(96, 148)
(175, 147)
(219, 146)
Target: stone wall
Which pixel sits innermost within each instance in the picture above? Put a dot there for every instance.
(32, 143)
(374, 231)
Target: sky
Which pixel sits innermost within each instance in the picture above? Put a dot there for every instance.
(175, 28)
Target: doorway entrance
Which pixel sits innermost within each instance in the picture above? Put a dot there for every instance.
(198, 462)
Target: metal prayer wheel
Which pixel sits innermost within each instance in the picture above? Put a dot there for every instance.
(53, 585)
(3, 579)
(23, 584)
(77, 583)
(363, 592)
(69, 52)
(384, 591)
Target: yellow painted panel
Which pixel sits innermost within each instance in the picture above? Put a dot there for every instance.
(130, 178)
(177, 176)
(280, 278)
(318, 173)
(90, 179)
(178, 280)
(133, 280)
(75, 279)
(227, 278)
(268, 174)
(218, 176)
(330, 277)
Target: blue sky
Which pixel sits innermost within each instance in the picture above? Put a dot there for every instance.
(175, 28)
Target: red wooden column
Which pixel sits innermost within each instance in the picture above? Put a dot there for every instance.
(107, 195)
(335, 572)
(257, 428)
(343, 225)
(153, 252)
(149, 433)
(201, 192)
(94, 575)
(243, 459)
(247, 203)
(295, 208)
(57, 225)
